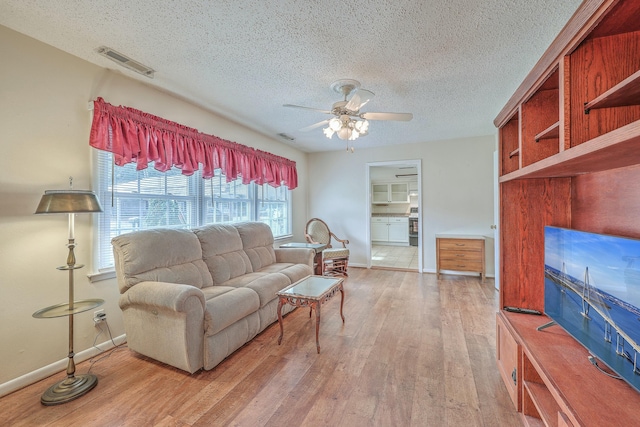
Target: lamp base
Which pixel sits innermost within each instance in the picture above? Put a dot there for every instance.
(69, 389)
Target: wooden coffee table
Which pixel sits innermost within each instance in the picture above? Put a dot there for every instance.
(310, 292)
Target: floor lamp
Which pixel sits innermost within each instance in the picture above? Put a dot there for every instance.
(69, 202)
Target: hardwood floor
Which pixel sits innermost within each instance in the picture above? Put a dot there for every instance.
(414, 351)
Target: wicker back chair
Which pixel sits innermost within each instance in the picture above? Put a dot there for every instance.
(334, 260)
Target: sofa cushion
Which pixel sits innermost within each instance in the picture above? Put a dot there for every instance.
(267, 286)
(228, 308)
(244, 280)
(257, 242)
(160, 255)
(294, 272)
(211, 292)
(222, 252)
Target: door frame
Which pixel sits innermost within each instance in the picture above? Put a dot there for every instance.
(418, 165)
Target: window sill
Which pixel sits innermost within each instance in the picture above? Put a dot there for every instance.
(106, 274)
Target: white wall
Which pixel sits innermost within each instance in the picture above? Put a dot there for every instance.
(44, 129)
(457, 191)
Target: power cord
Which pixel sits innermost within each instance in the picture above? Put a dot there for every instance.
(594, 362)
(116, 347)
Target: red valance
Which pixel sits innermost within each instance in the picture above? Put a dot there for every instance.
(134, 136)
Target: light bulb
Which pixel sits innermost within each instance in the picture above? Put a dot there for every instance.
(344, 133)
(362, 126)
(328, 132)
(335, 124)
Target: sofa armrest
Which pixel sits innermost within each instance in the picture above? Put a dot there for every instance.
(295, 255)
(172, 296)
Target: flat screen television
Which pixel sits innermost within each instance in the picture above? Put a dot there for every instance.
(592, 290)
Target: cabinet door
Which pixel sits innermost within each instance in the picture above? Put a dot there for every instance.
(399, 230)
(380, 229)
(399, 193)
(507, 351)
(380, 193)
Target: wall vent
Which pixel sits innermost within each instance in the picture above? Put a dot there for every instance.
(286, 137)
(125, 61)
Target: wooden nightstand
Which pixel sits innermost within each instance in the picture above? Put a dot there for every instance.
(460, 253)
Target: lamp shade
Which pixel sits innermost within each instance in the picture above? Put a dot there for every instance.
(68, 201)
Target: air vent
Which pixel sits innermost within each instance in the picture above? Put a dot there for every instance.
(125, 61)
(285, 136)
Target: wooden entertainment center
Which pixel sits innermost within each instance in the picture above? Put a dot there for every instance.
(569, 152)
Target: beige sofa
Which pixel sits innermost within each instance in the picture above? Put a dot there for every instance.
(190, 298)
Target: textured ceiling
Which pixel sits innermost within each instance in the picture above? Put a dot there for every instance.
(453, 64)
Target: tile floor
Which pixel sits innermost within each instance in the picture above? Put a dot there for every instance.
(394, 256)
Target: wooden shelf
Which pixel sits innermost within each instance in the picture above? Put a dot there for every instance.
(625, 93)
(562, 167)
(551, 132)
(616, 149)
(570, 383)
(533, 422)
(543, 401)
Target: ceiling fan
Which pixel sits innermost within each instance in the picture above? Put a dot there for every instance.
(349, 122)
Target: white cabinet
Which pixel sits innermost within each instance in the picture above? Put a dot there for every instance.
(390, 229)
(390, 193)
(399, 230)
(380, 229)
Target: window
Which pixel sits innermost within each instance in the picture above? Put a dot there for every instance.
(138, 200)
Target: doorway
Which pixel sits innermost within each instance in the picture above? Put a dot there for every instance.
(394, 215)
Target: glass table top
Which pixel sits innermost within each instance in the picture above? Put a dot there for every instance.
(64, 309)
(312, 286)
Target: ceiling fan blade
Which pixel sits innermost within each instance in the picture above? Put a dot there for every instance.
(359, 99)
(307, 108)
(402, 117)
(317, 125)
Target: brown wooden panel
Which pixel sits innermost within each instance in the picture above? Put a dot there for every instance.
(460, 265)
(461, 244)
(585, 18)
(540, 112)
(616, 149)
(596, 66)
(623, 18)
(526, 206)
(507, 351)
(578, 387)
(461, 255)
(608, 202)
(509, 135)
(565, 93)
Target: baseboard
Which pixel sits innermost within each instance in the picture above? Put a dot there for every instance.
(56, 367)
(433, 271)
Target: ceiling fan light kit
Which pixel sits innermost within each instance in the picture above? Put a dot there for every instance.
(346, 128)
(349, 123)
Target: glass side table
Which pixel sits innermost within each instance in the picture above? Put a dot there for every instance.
(61, 310)
(73, 386)
(317, 259)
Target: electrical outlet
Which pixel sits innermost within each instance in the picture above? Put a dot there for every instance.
(99, 316)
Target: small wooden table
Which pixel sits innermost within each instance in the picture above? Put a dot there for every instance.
(460, 253)
(317, 247)
(310, 292)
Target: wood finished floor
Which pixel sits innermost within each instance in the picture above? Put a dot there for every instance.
(414, 351)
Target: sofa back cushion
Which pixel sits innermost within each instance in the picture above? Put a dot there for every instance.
(222, 252)
(161, 255)
(257, 241)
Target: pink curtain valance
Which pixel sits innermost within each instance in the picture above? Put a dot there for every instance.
(134, 136)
